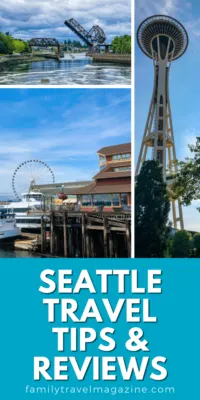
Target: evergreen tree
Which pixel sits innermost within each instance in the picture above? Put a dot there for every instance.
(181, 245)
(151, 212)
(196, 245)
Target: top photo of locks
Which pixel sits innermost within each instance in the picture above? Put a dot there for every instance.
(65, 42)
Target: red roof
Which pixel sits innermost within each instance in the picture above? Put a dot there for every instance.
(93, 188)
(116, 149)
(107, 172)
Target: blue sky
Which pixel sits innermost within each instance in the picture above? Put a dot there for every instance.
(64, 128)
(184, 83)
(45, 18)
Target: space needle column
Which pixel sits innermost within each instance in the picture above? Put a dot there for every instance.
(163, 39)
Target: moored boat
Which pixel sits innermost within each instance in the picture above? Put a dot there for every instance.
(31, 203)
(8, 227)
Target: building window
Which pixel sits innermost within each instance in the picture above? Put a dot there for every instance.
(124, 199)
(20, 210)
(116, 157)
(127, 155)
(79, 200)
(28, 221)
(105, 200)
(87, 200)
(121, 156)
(37, 197)
(102, 159)
(120, 169)
(102, 199)
(116, 199)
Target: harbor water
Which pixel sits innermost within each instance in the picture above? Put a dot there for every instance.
(7, 250)
(76, 69)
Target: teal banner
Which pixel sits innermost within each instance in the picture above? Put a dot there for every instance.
(99, 329)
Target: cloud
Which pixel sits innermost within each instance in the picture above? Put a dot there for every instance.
(192, 217)
(146, 8)
(65, 129)
(30, 18)
(189, 136)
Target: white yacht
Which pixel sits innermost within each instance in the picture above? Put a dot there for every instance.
(31, 202)
(8, 226)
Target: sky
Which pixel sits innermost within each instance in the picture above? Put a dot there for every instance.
(26, 19)
(63, 128)
(184, 84)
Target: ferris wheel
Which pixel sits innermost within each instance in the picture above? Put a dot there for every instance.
(31, 173)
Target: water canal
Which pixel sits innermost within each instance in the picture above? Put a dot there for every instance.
(76, 69)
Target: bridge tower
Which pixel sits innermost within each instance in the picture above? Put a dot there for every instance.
(164, 40)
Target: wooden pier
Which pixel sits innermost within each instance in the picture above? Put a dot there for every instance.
(77, 234)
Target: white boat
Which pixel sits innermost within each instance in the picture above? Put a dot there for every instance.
(31, 202)
(8, 226)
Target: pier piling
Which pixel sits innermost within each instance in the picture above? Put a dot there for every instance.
(52, 237)
(86, 235)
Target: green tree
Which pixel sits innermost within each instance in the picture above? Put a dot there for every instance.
(76, 43)
(3, 46)
(19, 46)
(6, 44)
(27, 48)
(186, 184)
(151, 212)
(115, 44)
(10, 44)
(181, 245)
(121, 44)
(196, 245)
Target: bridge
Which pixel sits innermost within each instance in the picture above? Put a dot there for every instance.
(46, 42)
(94, 38)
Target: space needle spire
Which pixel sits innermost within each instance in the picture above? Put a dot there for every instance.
(164, 40)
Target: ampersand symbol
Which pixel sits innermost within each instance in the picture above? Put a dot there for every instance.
(134, 343)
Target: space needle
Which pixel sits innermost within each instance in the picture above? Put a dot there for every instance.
(164, 40)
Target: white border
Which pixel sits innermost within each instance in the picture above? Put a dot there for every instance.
(65, 87)
(131, 88)
(133, 129)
